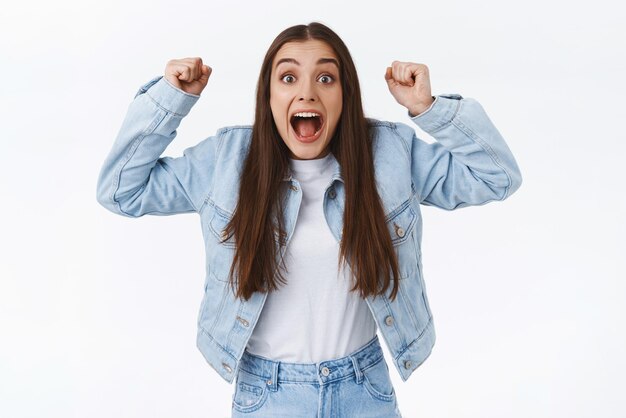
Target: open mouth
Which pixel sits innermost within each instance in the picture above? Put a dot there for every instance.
(307, 125)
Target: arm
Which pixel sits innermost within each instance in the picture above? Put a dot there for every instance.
(470, 164)
(134, 180)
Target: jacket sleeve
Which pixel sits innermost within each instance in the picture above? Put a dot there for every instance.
(469, 164)
(134, 180)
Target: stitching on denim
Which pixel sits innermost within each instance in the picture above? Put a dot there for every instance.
(233, 331)
(417, 340)
(394, 129)
(349, 376)
(118, 174)
(377, 394)
(227, 129)
(389, 310)
(133, 148)
(397, 210)
(158, 212)
(448, 121)
(203, 204)
(412, 315)
(208, 193)
(187, 196)
(376, 360)
(409, 228)
(218, 149)
(408, 152)
(153, 100)
(378, 122)
(218, 313)
(218, 234)
(257, 390)
(473, 136)
(255, 406)
(421, 281)
(210, 337)
(243, 369)
(222, 212)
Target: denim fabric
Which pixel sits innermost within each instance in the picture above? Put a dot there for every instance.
(468, 164)
(357, 385)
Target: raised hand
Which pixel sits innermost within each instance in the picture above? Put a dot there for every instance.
(409, 83)
(188, 74)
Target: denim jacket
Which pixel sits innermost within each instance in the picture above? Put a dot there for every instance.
(468, 164)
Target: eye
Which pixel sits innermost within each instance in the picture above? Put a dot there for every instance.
(283, 78)
(330, 78)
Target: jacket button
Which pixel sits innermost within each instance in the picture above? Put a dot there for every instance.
(408, 364)
(399, 230)
(325, 371)
(227, 367)
(332, 194)
(294, 187)
(243, 321)
(389, 320)
(224, 235)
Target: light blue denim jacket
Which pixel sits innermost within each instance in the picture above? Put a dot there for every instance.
(469, 164)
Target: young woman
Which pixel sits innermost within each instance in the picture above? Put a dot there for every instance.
(311, 219)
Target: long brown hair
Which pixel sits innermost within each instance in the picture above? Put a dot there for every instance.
(258, 217)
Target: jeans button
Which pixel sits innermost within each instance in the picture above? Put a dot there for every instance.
(325, 371)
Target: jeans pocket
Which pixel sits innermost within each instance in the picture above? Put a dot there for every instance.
(250, 392)
(377, 381)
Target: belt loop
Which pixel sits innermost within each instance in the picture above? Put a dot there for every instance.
(274, 377)
(357, 370)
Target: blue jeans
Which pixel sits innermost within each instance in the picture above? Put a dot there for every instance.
(357, 385)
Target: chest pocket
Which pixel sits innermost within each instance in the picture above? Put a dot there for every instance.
(402, 231)
(219, 254)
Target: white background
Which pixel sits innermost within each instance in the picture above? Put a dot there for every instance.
(98, 312)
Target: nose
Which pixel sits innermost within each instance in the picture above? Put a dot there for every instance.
(307, 92)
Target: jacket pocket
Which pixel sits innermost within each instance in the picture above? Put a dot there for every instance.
(212, 305)
(220, 251)
(402, 231)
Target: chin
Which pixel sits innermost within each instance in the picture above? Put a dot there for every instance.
(306, 155)
(301, 152)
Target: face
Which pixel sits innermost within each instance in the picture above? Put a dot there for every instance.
(306, 97)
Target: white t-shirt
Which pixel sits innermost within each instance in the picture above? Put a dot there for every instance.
(314, 317)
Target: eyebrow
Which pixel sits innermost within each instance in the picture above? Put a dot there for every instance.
(320, 61)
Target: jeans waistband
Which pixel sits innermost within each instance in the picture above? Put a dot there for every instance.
(276, 372)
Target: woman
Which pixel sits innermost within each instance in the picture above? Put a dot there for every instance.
(311, 219)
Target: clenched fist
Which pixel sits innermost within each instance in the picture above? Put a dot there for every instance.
(409, 83)
(188, 74)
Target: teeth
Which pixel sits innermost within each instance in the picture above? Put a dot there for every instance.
(307, 114)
